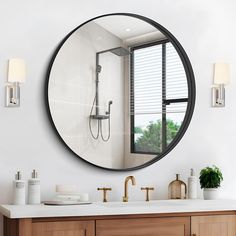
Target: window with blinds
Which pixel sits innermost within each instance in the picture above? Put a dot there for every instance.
(159, 95)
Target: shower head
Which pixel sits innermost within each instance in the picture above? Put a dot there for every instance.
(119, 51)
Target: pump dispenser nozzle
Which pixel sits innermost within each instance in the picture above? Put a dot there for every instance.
(18, 176)
(34, 174)
(192, 172)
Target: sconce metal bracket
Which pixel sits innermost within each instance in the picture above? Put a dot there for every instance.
(218, 96)
(13, 95)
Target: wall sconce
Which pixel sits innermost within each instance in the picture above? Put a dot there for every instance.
(221, 78)
(16, 75)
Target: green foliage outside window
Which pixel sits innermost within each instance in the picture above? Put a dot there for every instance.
(138, 130)
(151, 138)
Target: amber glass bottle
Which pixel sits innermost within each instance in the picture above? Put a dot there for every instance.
(177, 189)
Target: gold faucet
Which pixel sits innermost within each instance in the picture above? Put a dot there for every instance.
(125, 197)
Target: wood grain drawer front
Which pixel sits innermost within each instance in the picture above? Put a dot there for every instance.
(221, 225)
(65, 228)
(171, 226)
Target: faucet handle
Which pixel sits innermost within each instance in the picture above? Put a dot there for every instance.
(147, 189)
(104, 192)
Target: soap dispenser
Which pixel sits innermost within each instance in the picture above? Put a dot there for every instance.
(192, 185)
(34, 189)
(18, 190)
(177, 189)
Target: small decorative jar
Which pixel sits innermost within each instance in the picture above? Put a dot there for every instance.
(177, 189)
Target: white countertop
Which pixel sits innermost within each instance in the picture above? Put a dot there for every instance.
(117, 208)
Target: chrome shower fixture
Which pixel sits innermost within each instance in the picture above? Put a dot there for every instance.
(118, 51)
(109, 108)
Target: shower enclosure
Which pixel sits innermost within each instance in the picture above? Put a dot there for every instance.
(98, 117)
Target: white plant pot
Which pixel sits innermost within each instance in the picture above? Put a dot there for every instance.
(210, 193)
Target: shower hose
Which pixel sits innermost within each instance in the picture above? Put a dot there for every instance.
(99, 126)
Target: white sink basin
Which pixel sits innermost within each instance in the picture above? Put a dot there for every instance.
(157, 203)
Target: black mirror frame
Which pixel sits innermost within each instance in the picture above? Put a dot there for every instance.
(190, 80)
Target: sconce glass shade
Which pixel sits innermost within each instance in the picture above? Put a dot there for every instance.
(221, 73)
(16, 70)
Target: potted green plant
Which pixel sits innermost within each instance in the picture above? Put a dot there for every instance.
(210, 180)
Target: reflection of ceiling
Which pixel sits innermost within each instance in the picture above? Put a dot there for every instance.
(125, 27)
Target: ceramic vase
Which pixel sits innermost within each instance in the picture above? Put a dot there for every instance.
(210, 193)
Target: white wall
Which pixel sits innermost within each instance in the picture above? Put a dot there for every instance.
(32, 29)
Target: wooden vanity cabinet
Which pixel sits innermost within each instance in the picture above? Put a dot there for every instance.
(66, 228)
(169, 226)
(218, 225)
(49, 227)
(176, 224)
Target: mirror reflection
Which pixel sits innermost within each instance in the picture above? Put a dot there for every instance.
(117, 92)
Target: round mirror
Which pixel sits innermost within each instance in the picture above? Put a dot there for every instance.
(120, 91)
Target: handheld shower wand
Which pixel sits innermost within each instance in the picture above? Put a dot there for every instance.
(109, 108)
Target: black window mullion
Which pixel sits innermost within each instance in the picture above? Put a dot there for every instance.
(164, 125)
(132, 106)
(176, 100)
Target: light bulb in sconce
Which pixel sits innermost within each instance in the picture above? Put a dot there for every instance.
(16, 76)
(221, 78)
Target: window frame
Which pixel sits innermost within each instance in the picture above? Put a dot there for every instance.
(165, 101)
